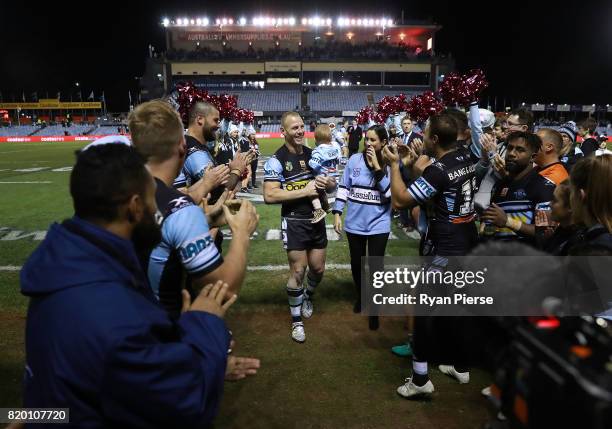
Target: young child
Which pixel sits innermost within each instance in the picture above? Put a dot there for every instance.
(323, 161)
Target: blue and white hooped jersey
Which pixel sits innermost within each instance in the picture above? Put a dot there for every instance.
(368, 200)
(186, 246)
(325, 159)
(196, 161)
(338, 136)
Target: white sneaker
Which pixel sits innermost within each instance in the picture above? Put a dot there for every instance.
(297, 332)
(486, 391)
(461, 377)
(409, 389)
(307, 307)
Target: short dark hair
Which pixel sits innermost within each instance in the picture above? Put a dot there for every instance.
(588, 124)
(459, 117)
(533, 141)
(106, 177)
(200, 108)
(445, 127)
(380, 131)
(525, 117)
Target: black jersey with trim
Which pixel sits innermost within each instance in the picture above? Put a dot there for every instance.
(292, 171)
(520, 199)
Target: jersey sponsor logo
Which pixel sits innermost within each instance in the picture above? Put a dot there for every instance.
(424, 186)
(461, 172)
(303, 164)
(288, 166)
(503, 192)
(356, 172)
(296, 186)
(365, 195)
(192, 249)
(520, 194)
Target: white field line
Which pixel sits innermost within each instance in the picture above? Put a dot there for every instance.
(250, 268)
(24, 183)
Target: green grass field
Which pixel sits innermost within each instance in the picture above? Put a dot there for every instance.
(343, 376)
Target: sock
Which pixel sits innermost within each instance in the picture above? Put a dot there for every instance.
(316, 203)
(419, 373)
(296, 297)
(312, 285)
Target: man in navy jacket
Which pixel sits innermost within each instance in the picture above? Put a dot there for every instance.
(97, 341)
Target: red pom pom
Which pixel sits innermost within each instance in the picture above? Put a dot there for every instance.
(227, 105)
(364, 115)
(391, 105)
(463, 90)
(423, 106)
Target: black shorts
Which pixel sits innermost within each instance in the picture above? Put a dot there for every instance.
(300, 234)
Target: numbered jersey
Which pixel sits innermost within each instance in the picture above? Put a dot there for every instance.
(446, 189)
(292, 171)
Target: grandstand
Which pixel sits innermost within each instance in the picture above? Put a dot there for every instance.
(318, 65)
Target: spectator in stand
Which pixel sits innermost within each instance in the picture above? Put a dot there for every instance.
(586, 130)
(571, 153)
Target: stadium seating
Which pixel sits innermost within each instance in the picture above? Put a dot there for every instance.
(380, 94)
(270, 128)
(269, 100)
(105, 130)
(18, 131)
(59, 130)
(328, 100)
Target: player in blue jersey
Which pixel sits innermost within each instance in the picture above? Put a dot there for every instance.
(447, 185)
(289, 180)
(365, 191)
(186, 247)
(323, 161)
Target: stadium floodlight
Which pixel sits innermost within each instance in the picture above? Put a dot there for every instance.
(359, 22)
(390, 23)
(377, 22)
(292, 21)
(353, 22)
(205, 21)
(309, 21)
(230, 21)
(165, 22)
(179, 21)
(224, 21)
(371, 22)
(217, 21)
(304, 21)
(328, 21)
(198, 21)
(286, 21)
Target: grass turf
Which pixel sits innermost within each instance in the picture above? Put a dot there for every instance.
(343, 376)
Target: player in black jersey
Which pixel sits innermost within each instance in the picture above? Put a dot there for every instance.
(517, 197)
(447, 184)
(288, 180)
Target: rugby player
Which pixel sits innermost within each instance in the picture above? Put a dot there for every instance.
(289, 181)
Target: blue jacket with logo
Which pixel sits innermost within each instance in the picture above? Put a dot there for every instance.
(98, 343)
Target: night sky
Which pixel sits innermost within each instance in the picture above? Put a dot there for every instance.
(537, 51)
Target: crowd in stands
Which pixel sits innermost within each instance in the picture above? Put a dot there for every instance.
(329, 50)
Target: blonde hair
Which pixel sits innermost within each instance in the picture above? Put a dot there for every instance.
(156, 130)
(286, 115)
(323, 134)
(594, 176)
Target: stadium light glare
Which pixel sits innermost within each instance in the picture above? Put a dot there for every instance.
(377, 22)
(353, 22)
(224, 21)
(165, 22)
(179, 21)
(192, 22)
(304, 21)
(292, 21)
(242, 21)
(328, 21)
(390, 22)
(217, 21)
(198, 21)
(358, 22)
(371, 22)
(205, 21)
(230, 21)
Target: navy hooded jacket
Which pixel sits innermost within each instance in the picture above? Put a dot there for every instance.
(98, 343)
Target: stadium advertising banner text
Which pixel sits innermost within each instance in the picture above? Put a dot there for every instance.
(41, 105)
(205, 36)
